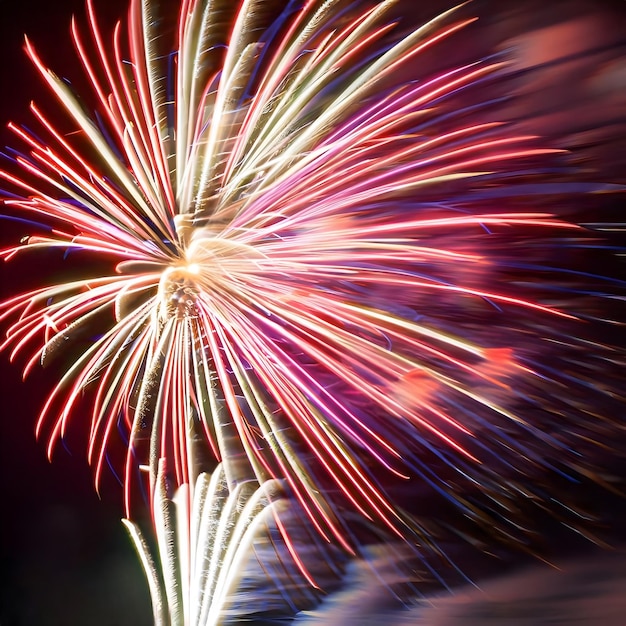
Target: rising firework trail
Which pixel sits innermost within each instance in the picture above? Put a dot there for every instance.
(325, 270)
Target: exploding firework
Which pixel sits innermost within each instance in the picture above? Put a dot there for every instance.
(232, 562)
(326, 270)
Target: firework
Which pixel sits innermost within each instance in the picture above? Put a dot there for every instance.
(232, 560)
(323, 272)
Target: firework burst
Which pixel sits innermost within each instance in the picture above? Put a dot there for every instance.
(318, 263)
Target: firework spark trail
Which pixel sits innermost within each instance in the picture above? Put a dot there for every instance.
(286, 269)
(233, 560)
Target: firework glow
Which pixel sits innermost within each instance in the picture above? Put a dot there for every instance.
(329, 273)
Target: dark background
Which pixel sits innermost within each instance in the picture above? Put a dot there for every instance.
(64, 555)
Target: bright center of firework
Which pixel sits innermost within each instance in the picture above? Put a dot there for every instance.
(178, 292)
(210, 266)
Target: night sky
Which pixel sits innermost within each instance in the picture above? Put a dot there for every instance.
(65, 558)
